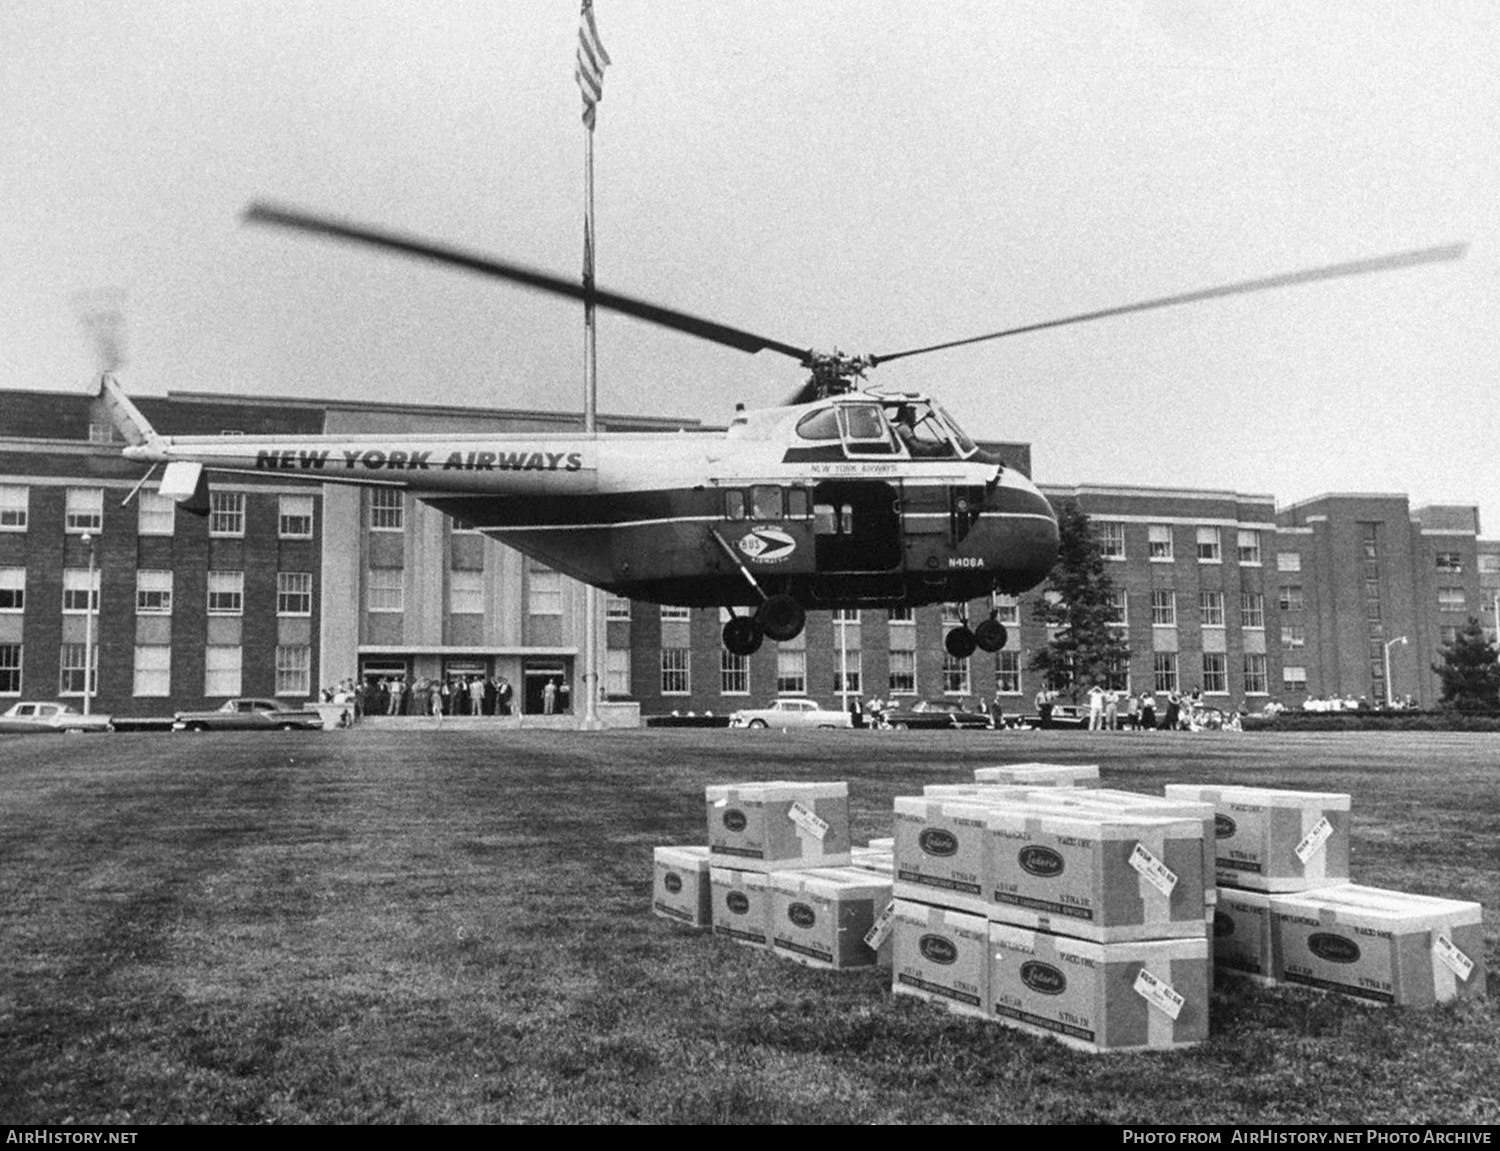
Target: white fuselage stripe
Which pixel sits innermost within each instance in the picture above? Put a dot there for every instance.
(718, 519)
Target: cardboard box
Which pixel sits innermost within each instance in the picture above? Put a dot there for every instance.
(981, 792)
(1378, 945)
(681, 889)
(1270, 840)
(741, 906)
(1041, 774)
(941, 955)
(821, 917)
(939, 856)
(886, 844)
(1242, 936)
(778, 826)
(1100, 996)
(1095, 875)
(869, 859)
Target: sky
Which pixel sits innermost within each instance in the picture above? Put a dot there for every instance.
(869, 177)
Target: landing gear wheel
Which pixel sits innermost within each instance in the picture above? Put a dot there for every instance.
(781, 618)
(991, 635)
(742, 636)
(960, 643)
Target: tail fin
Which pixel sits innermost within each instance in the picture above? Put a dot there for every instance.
(127, 418)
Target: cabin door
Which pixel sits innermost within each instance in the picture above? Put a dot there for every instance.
(857, 526)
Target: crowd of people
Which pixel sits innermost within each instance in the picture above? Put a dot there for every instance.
(439, 697)
(1175, 711)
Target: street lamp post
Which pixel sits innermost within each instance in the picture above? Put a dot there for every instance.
(88, 628)
(1389, 694)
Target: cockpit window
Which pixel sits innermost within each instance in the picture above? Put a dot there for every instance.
(823, 425)
(921, 428)
(966, 446)
(865, 430)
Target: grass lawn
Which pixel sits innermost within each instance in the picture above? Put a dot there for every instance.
(455, 926)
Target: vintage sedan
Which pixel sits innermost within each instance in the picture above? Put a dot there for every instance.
(791, 713)
(249, 715)
(43, 717)
(934, 713)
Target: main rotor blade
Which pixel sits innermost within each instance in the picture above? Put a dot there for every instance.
(261, 213)
(1310, 275)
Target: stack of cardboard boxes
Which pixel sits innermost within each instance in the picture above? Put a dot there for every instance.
(1287, 912)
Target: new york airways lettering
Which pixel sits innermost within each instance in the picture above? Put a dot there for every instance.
(376, 460)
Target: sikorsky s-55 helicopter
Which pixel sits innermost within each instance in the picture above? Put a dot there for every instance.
(841, 498)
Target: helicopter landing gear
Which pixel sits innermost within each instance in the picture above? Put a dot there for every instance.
(960, 642)
(781, 618)
(743, 635)
(991, 634)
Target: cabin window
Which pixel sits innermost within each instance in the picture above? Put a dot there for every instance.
(846, 520)
(823, 425)
(865, 431)
(796, 504)
(734, 505)
(765, 502)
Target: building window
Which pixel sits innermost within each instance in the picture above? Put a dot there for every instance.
(1119, 606)
(617, 672)
(70, 669)
(1293, 678)
(734, 673)
(465, 592)
(673, 614)
(294, 670)
(85, 510)
(294, 520)
(1208, 546)
(846, 669)
(952, 613)
(674, 671)
(1215, 673)
(1289, 598)
(1370, 539)
(153, 670)
(1111, 539)
(10, 669)
(903, 678)
(387, 510)
(907, 615)
(1252, 609)
(1255, 674)
(1247, 546)
(1008, 609)
(791, 672)
(221, 670)
(103, 434)
(226, 514)
(616, 607)
(1163, 608)
(1159, 541)
(544, 591)
(1288, 561)
(1008, 672)
(226, 593)
(846, 615)
(1450, 563)
(79, 594)
(12, 589)
(385, 590)
(1211, 608)
(1451, 599)
(1293, 636)
(294, 593)
(153, 593)
(13, 507)
(1164, 671)
(155, 514)
(955, 675)
(1489, 562)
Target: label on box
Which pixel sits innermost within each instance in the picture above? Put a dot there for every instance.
(1313, 841)
(1447, 951)
(1157, 873)
(1160, 995)
(882, 928)
(808, 822)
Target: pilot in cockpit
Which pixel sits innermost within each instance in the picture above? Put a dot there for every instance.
(926, 442)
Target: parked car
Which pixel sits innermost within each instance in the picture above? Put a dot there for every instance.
(790, 713)
(249, 715)
(41, 717)
(935, 713)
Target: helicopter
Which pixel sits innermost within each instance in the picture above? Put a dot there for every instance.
(842, 497)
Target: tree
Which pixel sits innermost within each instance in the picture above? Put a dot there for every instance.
(1079, 601)
(1470, 674)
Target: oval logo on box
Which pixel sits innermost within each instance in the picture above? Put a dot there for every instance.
(938, 949)
(734, 819)
(936, 841)
(672, 882)
(1333, 948)
(801, 914)
(1224, 827)
(1223, 925)
(737, 902)
(1043, 978)
(1040, 861)
(767, 545)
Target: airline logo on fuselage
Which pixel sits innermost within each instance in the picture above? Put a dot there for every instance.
(767, 545)
(397, 460)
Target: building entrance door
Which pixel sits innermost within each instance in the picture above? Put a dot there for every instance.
(536, 674)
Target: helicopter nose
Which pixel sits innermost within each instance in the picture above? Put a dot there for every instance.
(1027, 529)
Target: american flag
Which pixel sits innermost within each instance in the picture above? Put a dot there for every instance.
(592, 60)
